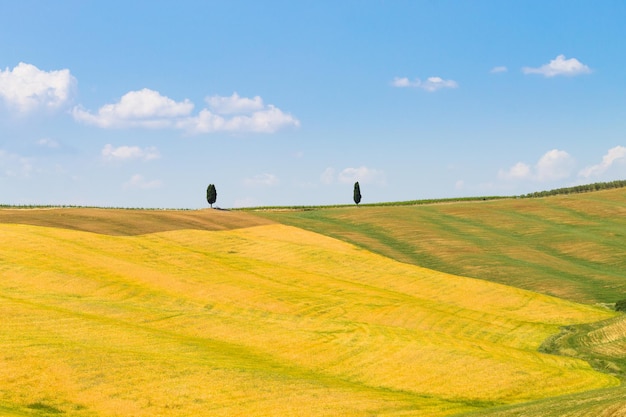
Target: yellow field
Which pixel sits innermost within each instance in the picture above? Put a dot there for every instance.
(260, 321)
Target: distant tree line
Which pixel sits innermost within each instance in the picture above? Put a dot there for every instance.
(579, 189)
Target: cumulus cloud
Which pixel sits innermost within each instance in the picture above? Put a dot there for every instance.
(144, 108)
(122, 153)
(559, 66)
(328, 176)
(614, 155)
(497, 70)
(26, 88)
(268, 120)
(431, 84)
(149, 109)
(553, 165)
(48, 143)
(362, 174)
(234, 104)
(517, 171)
(262, 180)
(138, 181)
(404, 82)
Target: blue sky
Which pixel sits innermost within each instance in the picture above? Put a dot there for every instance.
(145, 103)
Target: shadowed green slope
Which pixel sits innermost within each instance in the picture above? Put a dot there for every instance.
(569, 246)
(603, 344)
(604, 403)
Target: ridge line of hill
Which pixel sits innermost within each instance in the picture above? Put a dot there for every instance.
(578, 189)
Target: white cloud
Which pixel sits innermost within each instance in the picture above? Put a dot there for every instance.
(121, 153)
(362, 174)
(559, 66)
(553, 165)
(268, 120)
(517, 171)
(436, 83)
(149, 109)
(616, 154)
(26, 88)
(13, 165)
(431, 84)
(138, 181)
(497, 70)
(144, 108)
(404, 82)
(48, 143)
(263, 180)
(204, 122)
(234, 104)
(328, 176)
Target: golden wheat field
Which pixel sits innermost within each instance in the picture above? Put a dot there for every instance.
(264, 320)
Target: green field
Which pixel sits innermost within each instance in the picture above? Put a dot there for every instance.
(569, 246)
(227, 313)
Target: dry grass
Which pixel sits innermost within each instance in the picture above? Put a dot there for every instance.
(260, 321)
(117, 222)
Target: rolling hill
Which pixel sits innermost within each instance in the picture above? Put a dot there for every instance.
(569, 246)
(118, 313)
(123, 222)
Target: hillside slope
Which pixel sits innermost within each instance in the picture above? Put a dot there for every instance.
(265, 320)
(121, 222)
(601, 403)
(568, 246)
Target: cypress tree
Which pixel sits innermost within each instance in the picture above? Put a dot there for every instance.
(357, 193)
(211, 194)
